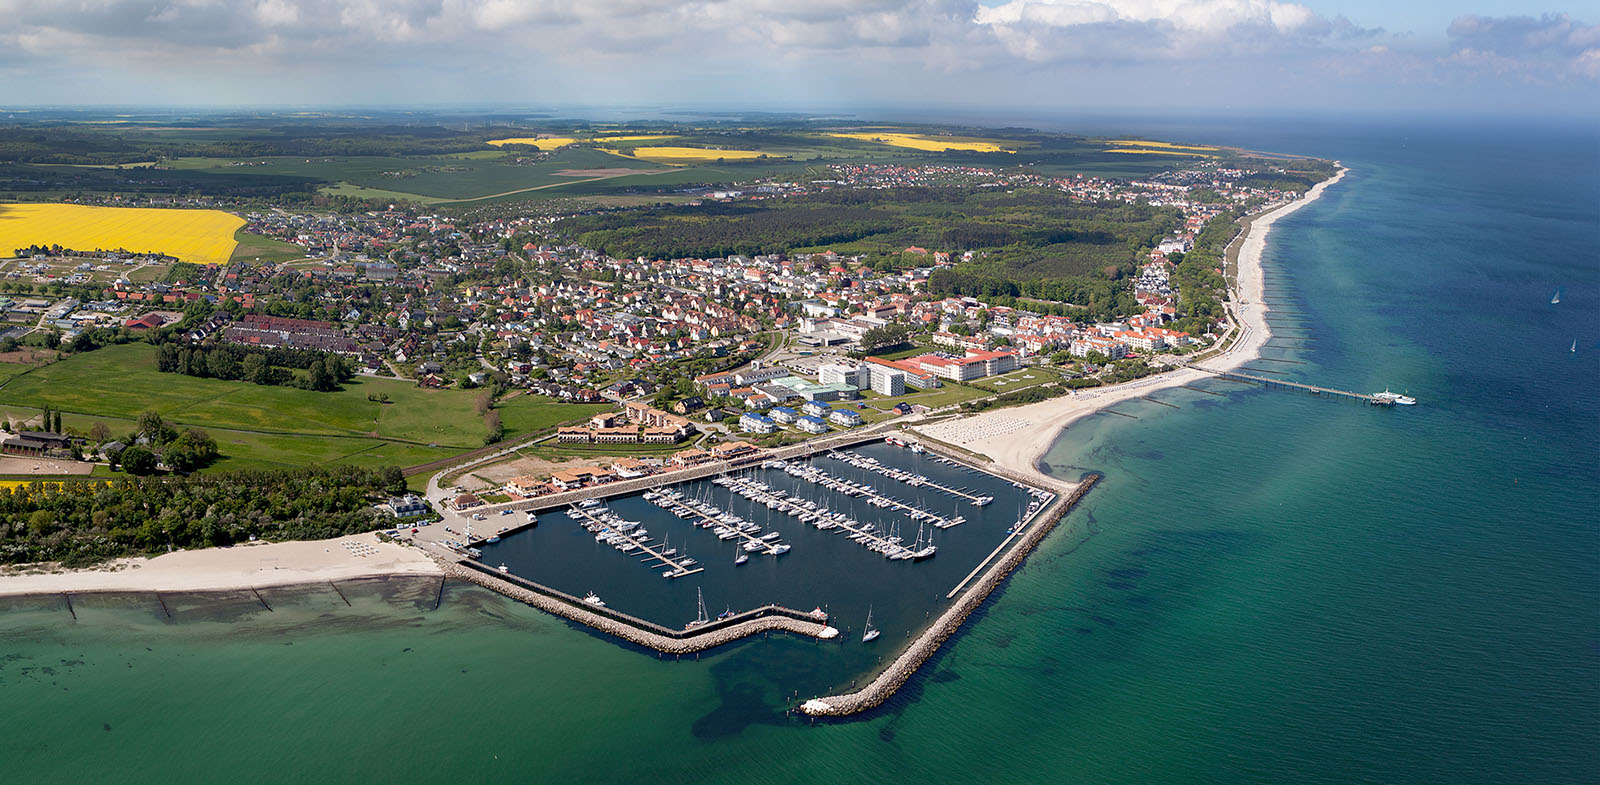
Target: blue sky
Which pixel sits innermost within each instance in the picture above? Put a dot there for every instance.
(1364, 56)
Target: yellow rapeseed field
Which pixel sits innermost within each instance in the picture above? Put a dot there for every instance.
(691, 154)
(198, 236)
(633, 138)
(1184, 152)
(9, 484)
(544, 144)
(1163, 145)
(931, 143)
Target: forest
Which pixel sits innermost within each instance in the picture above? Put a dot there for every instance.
(72, 144)
(1075, 297)
(1027, 233)
(83, 522)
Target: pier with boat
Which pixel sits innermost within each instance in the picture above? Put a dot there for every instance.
(631, 538)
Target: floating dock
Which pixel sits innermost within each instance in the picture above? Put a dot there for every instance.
(678, 568)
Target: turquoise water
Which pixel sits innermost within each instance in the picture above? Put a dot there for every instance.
(1267, 587)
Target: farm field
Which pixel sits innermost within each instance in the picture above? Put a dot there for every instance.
(544, 144)
(1163, 145)
(1142, 151)
(199, 236)
(120, 382)
(425, 179)
(267, 249)
(928, 143)
(681, 155)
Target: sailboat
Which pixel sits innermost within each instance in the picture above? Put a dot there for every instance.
(701, 617)
(922, 551)
(1574, 345)
(1556, 298)
(871, 632)
(740, 557)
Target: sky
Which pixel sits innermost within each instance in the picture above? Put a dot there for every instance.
(1362, 56)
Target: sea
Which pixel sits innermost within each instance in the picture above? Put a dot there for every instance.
(1267, 587)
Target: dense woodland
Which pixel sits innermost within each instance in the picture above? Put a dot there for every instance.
(1030, 233)
(73, 144)
(82, 522)
(1075, 297)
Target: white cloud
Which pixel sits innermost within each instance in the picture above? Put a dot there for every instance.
(738, 50)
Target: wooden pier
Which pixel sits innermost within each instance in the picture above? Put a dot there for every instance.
(678, 507)
(884, 502)
(886, 471)
(789, 508)
(678, 570)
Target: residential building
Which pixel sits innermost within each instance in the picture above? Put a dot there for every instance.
(751, 422)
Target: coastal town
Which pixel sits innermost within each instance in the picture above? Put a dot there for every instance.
(763, 380)
(765, 347)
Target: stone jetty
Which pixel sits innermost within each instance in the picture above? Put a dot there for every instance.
(638, 631)
(924, 645)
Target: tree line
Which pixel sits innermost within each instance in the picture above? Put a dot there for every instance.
(81, 522)
(1089, 297)
(269, 366)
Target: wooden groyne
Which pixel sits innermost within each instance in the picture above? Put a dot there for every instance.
(924, 645)
(635, 630)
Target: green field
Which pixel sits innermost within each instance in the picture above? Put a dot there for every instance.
(266, 249)
(430, 177)
(259, 426)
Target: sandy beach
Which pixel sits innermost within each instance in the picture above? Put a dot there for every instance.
(1017, 438)
(239, 567)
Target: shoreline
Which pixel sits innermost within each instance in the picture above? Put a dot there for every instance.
(1018, 438)
(244, 566)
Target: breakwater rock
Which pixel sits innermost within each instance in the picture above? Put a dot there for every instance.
(767, 618)
(924, 645)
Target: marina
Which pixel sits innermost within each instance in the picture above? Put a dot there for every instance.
(807, 531)
(629, 538)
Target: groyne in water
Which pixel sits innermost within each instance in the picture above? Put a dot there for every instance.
(638, 631)
(924, 645)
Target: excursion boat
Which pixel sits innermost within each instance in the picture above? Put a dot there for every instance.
(1387, 398)
(594, 600)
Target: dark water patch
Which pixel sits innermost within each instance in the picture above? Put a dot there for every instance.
(944, 676)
